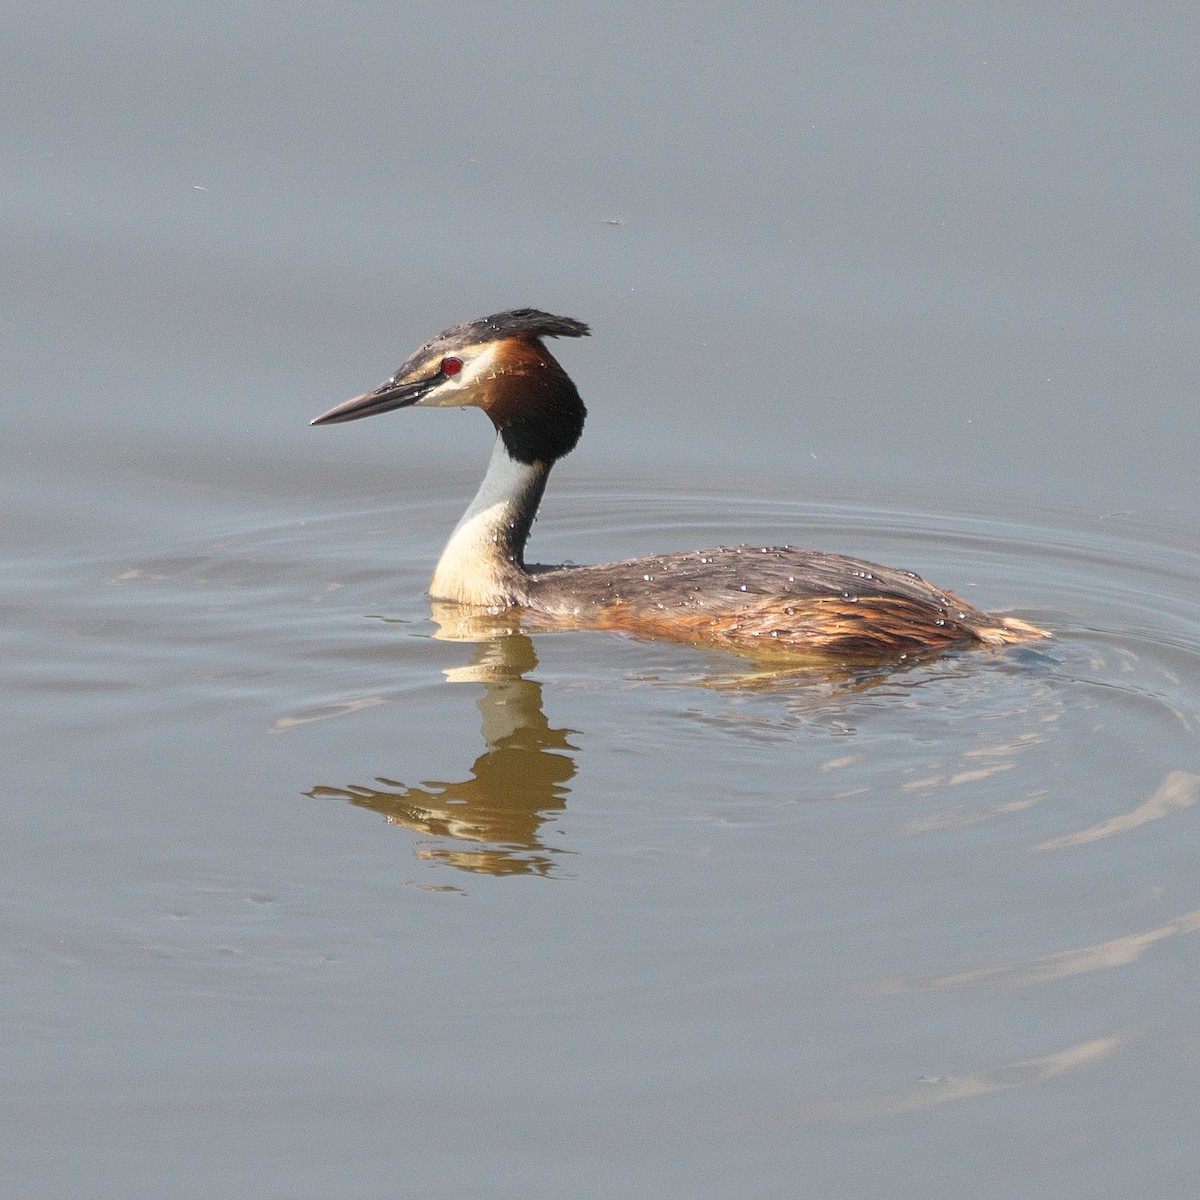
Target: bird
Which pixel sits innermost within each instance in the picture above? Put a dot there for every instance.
(754, 600)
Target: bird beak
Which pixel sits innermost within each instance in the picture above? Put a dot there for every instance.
(383, 399)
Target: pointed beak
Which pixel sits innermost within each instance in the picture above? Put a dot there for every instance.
(383, 399)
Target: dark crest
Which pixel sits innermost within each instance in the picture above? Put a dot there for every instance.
(513, 323)
(517, 321)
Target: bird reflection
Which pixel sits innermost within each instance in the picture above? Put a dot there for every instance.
(490, 822)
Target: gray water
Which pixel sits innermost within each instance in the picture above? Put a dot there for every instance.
(310, 890)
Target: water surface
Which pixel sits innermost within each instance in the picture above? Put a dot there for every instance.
(309, 890)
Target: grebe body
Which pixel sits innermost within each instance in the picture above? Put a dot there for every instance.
(750, 599)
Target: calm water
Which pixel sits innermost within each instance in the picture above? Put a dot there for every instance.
(312, 891)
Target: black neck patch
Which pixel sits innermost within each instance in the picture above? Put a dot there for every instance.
(548, 432)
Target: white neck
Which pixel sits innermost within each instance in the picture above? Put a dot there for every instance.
(483, 561)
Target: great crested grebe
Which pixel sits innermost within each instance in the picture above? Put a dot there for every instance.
(749, 599)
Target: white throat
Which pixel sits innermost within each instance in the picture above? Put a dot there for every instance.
(482, 563)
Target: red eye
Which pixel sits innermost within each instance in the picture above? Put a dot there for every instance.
(451, 366)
